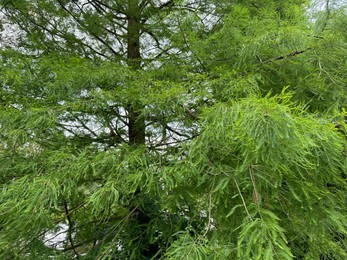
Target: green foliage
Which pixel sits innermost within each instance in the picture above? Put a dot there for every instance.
(263, 238)
(173, 130)
(274, 171)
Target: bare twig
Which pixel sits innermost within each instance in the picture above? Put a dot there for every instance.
(209, 214)
(243, 200)
(256, 196)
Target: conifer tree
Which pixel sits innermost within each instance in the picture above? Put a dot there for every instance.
(173, 130)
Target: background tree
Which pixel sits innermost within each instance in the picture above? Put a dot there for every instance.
(173, 129)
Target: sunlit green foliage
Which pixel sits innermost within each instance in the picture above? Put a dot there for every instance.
(243, 109)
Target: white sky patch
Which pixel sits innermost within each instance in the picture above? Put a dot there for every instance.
(9, 33)
(57, 238)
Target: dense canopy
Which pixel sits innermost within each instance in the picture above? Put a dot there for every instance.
(178, 129)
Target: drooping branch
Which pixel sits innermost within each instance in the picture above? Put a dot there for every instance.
(189, 47)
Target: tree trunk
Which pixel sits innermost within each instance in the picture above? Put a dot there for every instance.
(136, 124)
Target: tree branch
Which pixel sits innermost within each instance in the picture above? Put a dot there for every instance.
(91, 33)
(69, 233)
(292, 54)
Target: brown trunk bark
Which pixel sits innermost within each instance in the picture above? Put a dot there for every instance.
(136, 130)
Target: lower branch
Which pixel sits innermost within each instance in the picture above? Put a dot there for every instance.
(69, 234)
